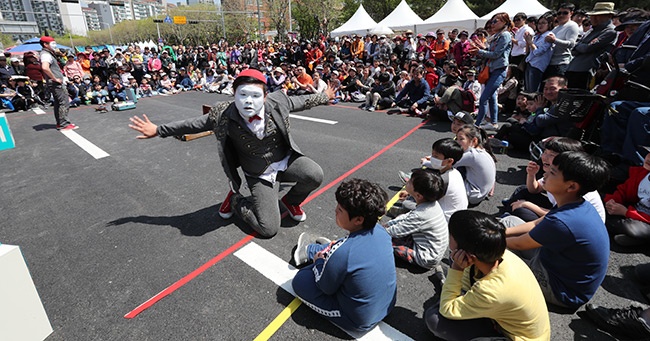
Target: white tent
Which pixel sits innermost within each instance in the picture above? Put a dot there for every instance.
(454, 14)
(401, 18)
(360, 23)
(381, 29)
(512, 7)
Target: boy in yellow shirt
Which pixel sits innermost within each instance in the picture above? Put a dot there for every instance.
(489, 291)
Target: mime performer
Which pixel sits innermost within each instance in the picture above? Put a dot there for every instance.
(253, 133)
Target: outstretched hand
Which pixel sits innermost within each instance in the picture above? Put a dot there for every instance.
(145, 127)
(330, 91)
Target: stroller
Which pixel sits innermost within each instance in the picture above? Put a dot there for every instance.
(587, 109)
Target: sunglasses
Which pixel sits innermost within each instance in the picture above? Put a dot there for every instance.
(494, 21)
(516, 19)
(563, 13)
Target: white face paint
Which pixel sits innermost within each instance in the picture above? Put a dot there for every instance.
(249, 100)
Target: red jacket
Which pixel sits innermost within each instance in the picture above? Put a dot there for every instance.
(626, 194)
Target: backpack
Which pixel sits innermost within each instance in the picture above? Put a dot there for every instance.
(468, 100)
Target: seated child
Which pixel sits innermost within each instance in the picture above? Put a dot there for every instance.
(628, 207)
(420, 236)
(99, 95)
(381, 94)
(512, 130)
(352, 281)
(145, 89)
(531, 201)
(478, 163)
(568, 248)
(459, 120)
(489, 291)
(26, 97)
(444, 154)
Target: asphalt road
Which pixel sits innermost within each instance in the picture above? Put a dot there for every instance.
(102, 236)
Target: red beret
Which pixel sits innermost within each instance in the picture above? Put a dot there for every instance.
(47, 39)
(254, 74)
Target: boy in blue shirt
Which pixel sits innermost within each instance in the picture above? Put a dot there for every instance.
(568, 248)
(352, 281)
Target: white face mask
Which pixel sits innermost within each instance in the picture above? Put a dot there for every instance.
(53, 45)
(249, 100)
(87, 81)
(436, 163)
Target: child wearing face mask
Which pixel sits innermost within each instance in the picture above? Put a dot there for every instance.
(444, 155)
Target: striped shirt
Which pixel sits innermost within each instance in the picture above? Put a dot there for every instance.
(427, 225)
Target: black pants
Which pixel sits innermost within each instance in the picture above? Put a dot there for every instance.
(630, 227)
(522, 193)
(61, 103)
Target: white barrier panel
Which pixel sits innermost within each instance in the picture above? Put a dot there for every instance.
(22, 316)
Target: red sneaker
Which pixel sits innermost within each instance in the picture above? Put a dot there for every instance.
(295, 211)
(70, 126)
(225, 211)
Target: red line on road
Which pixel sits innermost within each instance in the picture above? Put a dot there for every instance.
(356, 168)
(167, 291)
(144, 306)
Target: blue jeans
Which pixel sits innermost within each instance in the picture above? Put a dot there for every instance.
(626, 129)
(533, 78)
(488, 98)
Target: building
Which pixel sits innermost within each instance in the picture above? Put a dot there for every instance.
(194, 2)
(92, 19)
(104, 13)
(73, 17)
(46, 14)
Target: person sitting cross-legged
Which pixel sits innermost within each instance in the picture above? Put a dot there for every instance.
(489, 292)
(352, 281)
(568, 248)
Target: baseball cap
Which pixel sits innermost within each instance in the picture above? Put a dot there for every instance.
(462, 116)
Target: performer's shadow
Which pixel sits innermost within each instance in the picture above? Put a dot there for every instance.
(194, 224)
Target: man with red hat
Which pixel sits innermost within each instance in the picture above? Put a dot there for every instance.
(54, 78)
(253, 133)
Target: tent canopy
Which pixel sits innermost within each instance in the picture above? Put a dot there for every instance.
(360, 23)
(381, 29)
(512, 7)
(453, 10)
(454, 14)
(401, 18)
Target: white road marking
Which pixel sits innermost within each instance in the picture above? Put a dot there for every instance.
(39, 111)
(306, 118)
(281, 273)
(3, 138)
(86, 145)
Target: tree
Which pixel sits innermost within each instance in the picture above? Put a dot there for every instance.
(278, 12)
(314, 17)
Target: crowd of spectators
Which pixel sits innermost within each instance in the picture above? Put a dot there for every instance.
(504, 78)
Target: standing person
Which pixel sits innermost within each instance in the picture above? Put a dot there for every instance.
(564, 37)
(520, 29)
(587, 50)
(540, 53)
(253, 133)
(440, 47)
(497, 52)
(6, 71)
(54, 77)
